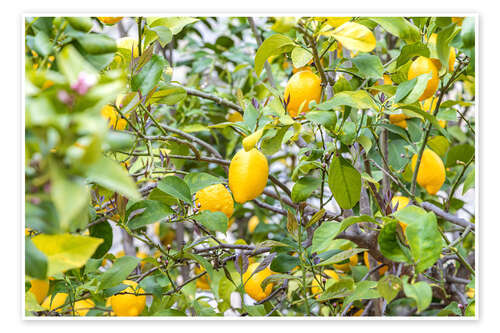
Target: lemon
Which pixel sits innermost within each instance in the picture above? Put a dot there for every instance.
(130, 44)
(128, 305)
(248, 173)
(302, 88)
(424, 65)
(39, 288)
(113, 118)
(381, 271)
(82, 307)
(202, 282)
(234, 117)
(430, 105)
(452, 56)
(215, 198)
(252, 282)
(401, 202)
(431, 173)
(110, 20)
(250, 141)
(387, 79)
(398, 119)
(52, 303)
(353, 261)
(252, 223)
(315, 285)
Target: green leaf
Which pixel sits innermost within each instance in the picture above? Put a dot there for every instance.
(369, 66)
(176, 187)
(169, 313)
(404, 89)
(273, 45)
(83, 24)
(323, 235)
(342, 256)
(65, 251)
(364, 290)
(410, 51)
(396, 130)
(470, 181)
(150, 212)
(31, 303)
(71, 63)
(95, 43)
(199, 180)
(326, 118)
(450, 309)
(119, 272)
(109, 174)
(300, 56)
(400, 27)
(358, 99)
(344, 182)
(421, 292)
(164, 34)
(35, 261)
(425, 241)
(418, 89)
(468, 33)
(104, 231)
(174, 23)
(463, 153)
(272, 144)
(439, 144)
(348, 133)
(390, 245)
(340, 289)
(167, 94)
(389, 287)
(444, 37)
(149, 75)
(283, 263)
(347, 222)
(214, 221)
(304, 188)
(470, 311)
(41, 44)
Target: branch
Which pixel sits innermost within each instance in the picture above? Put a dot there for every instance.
(447, 216)
(216, 99)
(267, 67)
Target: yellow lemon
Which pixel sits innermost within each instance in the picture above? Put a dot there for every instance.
(204, 281)
(399, 119)
(470, 293)
(381, 271)
(315, 285)
(387, 79)
(130, 44)
(252, 282)
(353, 261)
(430, 105)
(215, 198)
(128, 305)
(39, 288)
(113, 118)
(82, 307)
(109, 20)
(252, 223)
(250, 141)
(234, 117)
(248, 173)
(431, 173)
(423, 65)
(302, 88)
(401, 202)
(53, 303)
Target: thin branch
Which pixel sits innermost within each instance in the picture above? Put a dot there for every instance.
(267, 67)
(216, 99)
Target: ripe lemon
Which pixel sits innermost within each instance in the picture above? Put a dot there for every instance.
(353, 261)
(423, 65)
(82, 307)
(215, 198)
(315, 285)
(202, 282)
(55, 302)
(39, 288)
(252, 223)
(234, 117)
(431, 173)
(109, 20)
(381, 271)
(452, 57)
(387, 79)
(252, 282)
(399, 120)
(302, 88)
(248, 173)
(113, 118)
(430, 105)
(128, 305)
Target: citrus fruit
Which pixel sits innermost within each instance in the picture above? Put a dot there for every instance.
(430, 105)
(387, 79)
(53, 303)
(302, 88)
(109, 20)
(215, 198)
(130, 44)
(381, 271)
(202, 282)
(353, 261)
(315, 285)
(424, 65)
(431, 173)
(39, 288)
(252, 223)
(398, 119)
(248, 173)
(400, 202)
(234, 117)
(82, 307)
(128, 305)
(250, 141)
(252, 282)
(113, 118)
(452, 56)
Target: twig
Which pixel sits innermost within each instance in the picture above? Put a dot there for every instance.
(267, 67)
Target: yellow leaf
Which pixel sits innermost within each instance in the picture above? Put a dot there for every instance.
(354, 37)
(66, 251)
(250, 141)
(334, 21)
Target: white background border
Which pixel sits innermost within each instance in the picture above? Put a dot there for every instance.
(11, 150)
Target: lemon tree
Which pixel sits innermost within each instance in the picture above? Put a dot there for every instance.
(239, 166)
